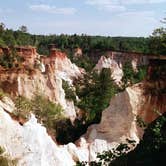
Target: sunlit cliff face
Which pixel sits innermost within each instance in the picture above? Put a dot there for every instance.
(31, 145)
(43, 76)
(115, 61)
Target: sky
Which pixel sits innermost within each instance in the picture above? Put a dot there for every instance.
(91, 17)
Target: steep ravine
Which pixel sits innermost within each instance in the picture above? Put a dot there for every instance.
(31, 145)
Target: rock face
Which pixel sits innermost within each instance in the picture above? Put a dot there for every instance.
(28, 85)
(46, 78)
(59, 64)
(118, 122)
(119, 119)
(28, 53)
(116, 60)
(116, 68)
(31, 145)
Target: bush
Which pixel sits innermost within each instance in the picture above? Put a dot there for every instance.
(46, 111)
(69, 92)
(131, 77)
(84, 62)
(23, 107)
(11, 60)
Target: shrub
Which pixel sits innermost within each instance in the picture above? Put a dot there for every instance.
(46, 111)
(23, 107)
(69, 92)
(141, 74)
(130, 76)
(84, 62)
(11, 60)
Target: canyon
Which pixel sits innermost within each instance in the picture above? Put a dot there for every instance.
(31, 145)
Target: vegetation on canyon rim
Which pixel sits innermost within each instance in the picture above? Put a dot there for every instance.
(94, 90)
(154, 44)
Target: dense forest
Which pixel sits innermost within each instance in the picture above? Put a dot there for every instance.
(152, 44)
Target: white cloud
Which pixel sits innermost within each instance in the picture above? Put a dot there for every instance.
(119, 5)
(100, 2)
(113, 8)
(107, 5)
(52, 9)
(122, 2)
(141, 1)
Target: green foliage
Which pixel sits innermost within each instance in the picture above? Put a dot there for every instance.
(2, 43)
(110, 157)
(23, 107)
(2, 27)
(149, 152)
(10, 37)
(140, 74)
(84, 62)
(152, 148)
(46, 111)
(95, 93)
(130, 76)
(69, 91)
(157, 42)
(11, 60)
(1, 150)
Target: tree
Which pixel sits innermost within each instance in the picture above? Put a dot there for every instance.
(2, 27)
(98, 89)
(157, 41)
(128, 74)
(23, 29)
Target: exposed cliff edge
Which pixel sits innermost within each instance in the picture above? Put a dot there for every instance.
(115, 61)
(119, 120)
(31, 145)
(41, 74)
